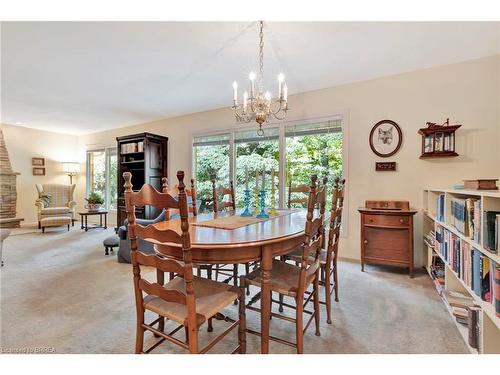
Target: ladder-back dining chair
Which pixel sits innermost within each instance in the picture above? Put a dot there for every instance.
(329, 256)
(297, 194)
(220, 203)
(187, 300)
(293, 280)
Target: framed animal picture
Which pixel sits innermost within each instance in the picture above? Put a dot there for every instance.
(385, 138)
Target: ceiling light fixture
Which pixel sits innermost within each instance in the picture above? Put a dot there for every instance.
(260, 106)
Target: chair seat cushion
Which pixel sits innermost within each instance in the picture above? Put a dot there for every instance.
(296, 255)
(54, 221)
(284, 278)
(211, 297)
(55, 210)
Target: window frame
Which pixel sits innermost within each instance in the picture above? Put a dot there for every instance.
(107, 159)
(343, 116)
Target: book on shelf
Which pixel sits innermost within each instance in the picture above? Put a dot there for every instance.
(476, 275)
(497, 289)
(440, 208)
(474, 326)
(491, 230)
(477, 221)
(458, 299)
(464, 216)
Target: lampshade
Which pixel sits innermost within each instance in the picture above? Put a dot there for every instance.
(71, 167)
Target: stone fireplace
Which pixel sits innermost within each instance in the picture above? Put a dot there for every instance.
(8, 192)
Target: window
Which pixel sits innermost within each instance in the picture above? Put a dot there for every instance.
(101, 175)
(313, 149)
(295, 150)
(254, 152)
(211, 156)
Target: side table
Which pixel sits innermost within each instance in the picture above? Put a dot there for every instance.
(84, 215)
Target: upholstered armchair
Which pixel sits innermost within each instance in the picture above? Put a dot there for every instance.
(55, 200)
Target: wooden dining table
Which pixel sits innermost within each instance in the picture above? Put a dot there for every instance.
(261, 242)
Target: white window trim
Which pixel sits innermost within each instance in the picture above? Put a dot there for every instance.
(341, 115)
(87, 172)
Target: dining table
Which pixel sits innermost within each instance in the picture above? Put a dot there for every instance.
(259, 241)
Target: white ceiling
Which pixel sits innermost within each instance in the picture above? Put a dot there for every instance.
(81, 77)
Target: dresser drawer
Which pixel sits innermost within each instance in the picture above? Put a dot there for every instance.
(386, 220)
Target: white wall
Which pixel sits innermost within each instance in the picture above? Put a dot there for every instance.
(466, 92)
(24, 144)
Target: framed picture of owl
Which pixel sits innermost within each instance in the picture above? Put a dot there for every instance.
(385, 138)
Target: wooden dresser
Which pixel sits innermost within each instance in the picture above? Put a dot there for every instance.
(387, 233)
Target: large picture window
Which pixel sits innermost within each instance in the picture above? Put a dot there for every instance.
(295, 151)
(101, 175)
(211, 157)
(313, 149)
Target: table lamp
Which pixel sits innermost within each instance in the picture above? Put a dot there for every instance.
(71, 169)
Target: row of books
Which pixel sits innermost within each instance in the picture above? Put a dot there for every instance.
(466, 312)
(476, 270)
(127, 148)
(491, 232)
(466, 217)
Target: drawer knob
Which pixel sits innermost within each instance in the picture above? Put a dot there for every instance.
(370, 220)
(365, 241)
(401, 221)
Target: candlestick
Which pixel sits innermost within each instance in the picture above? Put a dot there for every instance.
(246, 212)
(262, 214)
(256, 191)
(263, 177)
(272, 210)
(246, 177)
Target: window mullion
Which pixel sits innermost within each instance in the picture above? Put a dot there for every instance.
(282, 164)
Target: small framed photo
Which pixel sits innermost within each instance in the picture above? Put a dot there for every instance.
(37, 171)
(38, 162)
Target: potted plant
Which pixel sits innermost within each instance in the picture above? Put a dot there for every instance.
(94, 201)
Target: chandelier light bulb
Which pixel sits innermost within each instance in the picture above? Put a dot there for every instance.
(281, 77)
(251, 76)
(267, 95)
(235, 92)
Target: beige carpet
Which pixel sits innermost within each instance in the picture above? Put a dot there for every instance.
(59, 290)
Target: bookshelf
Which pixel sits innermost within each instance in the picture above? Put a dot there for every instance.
(489, 334)
(145, 156)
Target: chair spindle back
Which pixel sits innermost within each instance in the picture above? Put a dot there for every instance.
(222, 191)
(313, 232)
(335, 219)
(148, 195)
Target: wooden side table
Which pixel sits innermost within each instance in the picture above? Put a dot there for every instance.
(84, 215)
(387, 233)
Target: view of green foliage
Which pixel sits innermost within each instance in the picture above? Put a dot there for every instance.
(305, 155)
(98, 175)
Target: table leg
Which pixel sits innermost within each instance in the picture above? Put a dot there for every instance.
(265, 302)
(81, 221)
(86, 223)
(100, 220)
(105, 221)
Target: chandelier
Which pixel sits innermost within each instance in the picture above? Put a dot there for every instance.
(260, 106)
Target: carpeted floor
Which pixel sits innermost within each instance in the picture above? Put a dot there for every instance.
(59, 290)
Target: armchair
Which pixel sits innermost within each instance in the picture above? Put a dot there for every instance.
(60, 202)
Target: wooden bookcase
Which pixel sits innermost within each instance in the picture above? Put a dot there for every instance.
(145, 156)
(489, 341)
